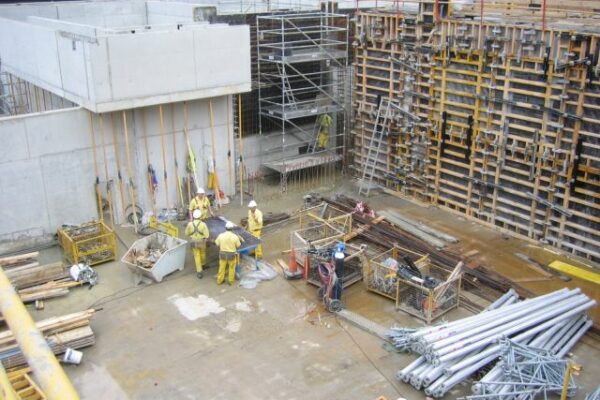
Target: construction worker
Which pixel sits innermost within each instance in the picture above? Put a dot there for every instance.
(325, 122)
(228, 243)
(198, 232)
(255, 224)
(202, 203)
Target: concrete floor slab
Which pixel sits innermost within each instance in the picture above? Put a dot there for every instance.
(272, 342)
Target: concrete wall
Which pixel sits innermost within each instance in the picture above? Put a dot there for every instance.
(128, 70)
(47, 169)
(98, 13)
(45, 173)
(160, 12)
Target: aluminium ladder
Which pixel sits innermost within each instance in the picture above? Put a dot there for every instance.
(380, 130)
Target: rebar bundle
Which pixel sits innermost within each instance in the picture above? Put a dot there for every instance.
(452, 352)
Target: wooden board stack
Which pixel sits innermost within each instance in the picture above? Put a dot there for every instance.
(67, 331)
(34, 281)
(496, 119)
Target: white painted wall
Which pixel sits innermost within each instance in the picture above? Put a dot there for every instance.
(47, 169)
(112, 72)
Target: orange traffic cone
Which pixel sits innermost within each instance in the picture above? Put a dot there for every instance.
(306, 266)
(293, 267)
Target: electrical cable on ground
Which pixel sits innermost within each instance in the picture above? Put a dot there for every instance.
(367, 357)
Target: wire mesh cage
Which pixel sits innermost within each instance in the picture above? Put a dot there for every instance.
(92, 243)
(315, 236)
(431, 296)
(380, 274)
(336, 219)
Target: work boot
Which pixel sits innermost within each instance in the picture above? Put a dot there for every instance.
(199, 275)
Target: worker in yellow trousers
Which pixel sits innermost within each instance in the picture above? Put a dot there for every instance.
(202, 203)
(255, 225)
(198, 232)
(325, 122)
(228, 243)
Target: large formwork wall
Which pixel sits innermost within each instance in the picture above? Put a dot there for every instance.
(508, 128)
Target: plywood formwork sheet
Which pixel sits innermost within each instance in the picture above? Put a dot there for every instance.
(499, 121)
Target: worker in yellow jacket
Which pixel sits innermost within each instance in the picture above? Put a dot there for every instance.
(325, 122)
(202, 203)
(255, 225)
(198, 232)
(228, 243)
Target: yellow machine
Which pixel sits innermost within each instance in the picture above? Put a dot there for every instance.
(164, 227)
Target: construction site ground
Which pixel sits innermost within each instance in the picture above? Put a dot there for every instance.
(275, 341)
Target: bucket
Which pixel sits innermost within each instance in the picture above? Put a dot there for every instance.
(72, 356)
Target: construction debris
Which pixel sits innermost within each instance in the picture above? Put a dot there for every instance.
(155, 256)
(67, 331)
(146, 258)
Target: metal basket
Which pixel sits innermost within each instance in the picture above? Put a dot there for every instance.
(425, 303)
(92, 243)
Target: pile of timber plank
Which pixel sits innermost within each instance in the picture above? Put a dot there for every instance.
(67, 331)
(34, 281)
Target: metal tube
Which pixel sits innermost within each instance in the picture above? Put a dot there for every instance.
(567, 347)
(499, 331)
(567, 310)
(502, 300)
(491, 315)
(494, 323)
(564, 329)
(48, 372)
(567, 336)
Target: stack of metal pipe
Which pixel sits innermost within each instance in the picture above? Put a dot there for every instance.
(452, 352)
(595, 395)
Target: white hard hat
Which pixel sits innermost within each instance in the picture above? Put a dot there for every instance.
(229, 225)
(200, 191)
(196, 213)
(252, 204)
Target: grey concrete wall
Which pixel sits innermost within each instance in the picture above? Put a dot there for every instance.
(128, 70)
(160, 12)
(99, 13)
(45, 173)
(47, 162)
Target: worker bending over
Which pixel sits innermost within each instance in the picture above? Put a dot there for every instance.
(228, 243)
(255, 225)
(202, 203)
(198, 231)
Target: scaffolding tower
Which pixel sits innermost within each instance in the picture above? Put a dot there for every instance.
(302, 69)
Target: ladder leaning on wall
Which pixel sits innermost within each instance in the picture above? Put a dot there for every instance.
(380, 130)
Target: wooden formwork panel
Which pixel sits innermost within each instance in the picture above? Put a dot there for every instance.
(508, 128)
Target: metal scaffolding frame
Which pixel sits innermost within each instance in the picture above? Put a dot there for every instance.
(302, 69)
